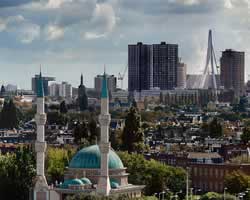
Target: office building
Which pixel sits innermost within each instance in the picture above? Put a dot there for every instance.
(181, 75)
(233, 71)
(111, 83)
(152, 66)
(45, 81)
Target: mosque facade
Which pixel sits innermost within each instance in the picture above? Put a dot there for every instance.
(94, 170)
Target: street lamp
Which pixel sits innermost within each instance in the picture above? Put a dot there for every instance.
(224, 193)
(196, 192)
(191, 193)
(162, 194)
(176, 195)
(241, 195)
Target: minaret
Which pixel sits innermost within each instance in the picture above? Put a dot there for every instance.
(103, 187)
(41, 186)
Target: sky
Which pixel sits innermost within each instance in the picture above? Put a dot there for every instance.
(70, 37)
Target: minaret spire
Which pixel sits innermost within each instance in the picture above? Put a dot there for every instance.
(40, 90)
(104, 87)
(103, 187)
(41, 186)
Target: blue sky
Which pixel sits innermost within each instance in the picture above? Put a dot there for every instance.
(69, 37)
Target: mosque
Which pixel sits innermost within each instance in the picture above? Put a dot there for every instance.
(94, 170)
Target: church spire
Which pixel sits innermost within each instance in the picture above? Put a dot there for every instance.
(81, 79)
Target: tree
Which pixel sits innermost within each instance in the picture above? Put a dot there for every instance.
(161, 98)
(215, 128)
(17, 172)
(155, 175)
(56, 161)
(82, 97)
(134, 103)
(56, 118)
(115, 138)
(242, 104)
(94, 131)
(211, 196)
(63, 107)
(237, 182)
(81, 133)
(9, 116)
(245, 137)
(160, 131)
(216, 196)
(132, 133)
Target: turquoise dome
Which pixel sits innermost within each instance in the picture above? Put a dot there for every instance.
(86, 181)
(114, 184)
(71, 182)
(90, 158)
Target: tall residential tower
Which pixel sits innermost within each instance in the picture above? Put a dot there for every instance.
(139, 63)
(165, 64)
(233, 71)
(152, 66)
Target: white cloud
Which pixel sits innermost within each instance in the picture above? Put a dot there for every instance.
(91, 35)
(102, 23)
(54, 32)
(6, 22)
(3, 25)
(15, 19)
(24, 30)
(81, 22)
(228, 4)
(55, 3)
(104, 13)
(187, 2)
(28, 33)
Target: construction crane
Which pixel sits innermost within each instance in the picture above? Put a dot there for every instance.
(122, 75)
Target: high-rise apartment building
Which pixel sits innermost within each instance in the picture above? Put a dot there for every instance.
(165, 64)
(233, 71)
(65, 90)
(139, 71)
(60, 90)
(111, 83)
(181, 75)
(54, 90)
(152, 66)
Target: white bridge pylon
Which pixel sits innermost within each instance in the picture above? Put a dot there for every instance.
(210, 68)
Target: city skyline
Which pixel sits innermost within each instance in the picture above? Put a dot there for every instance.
(69, 37)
